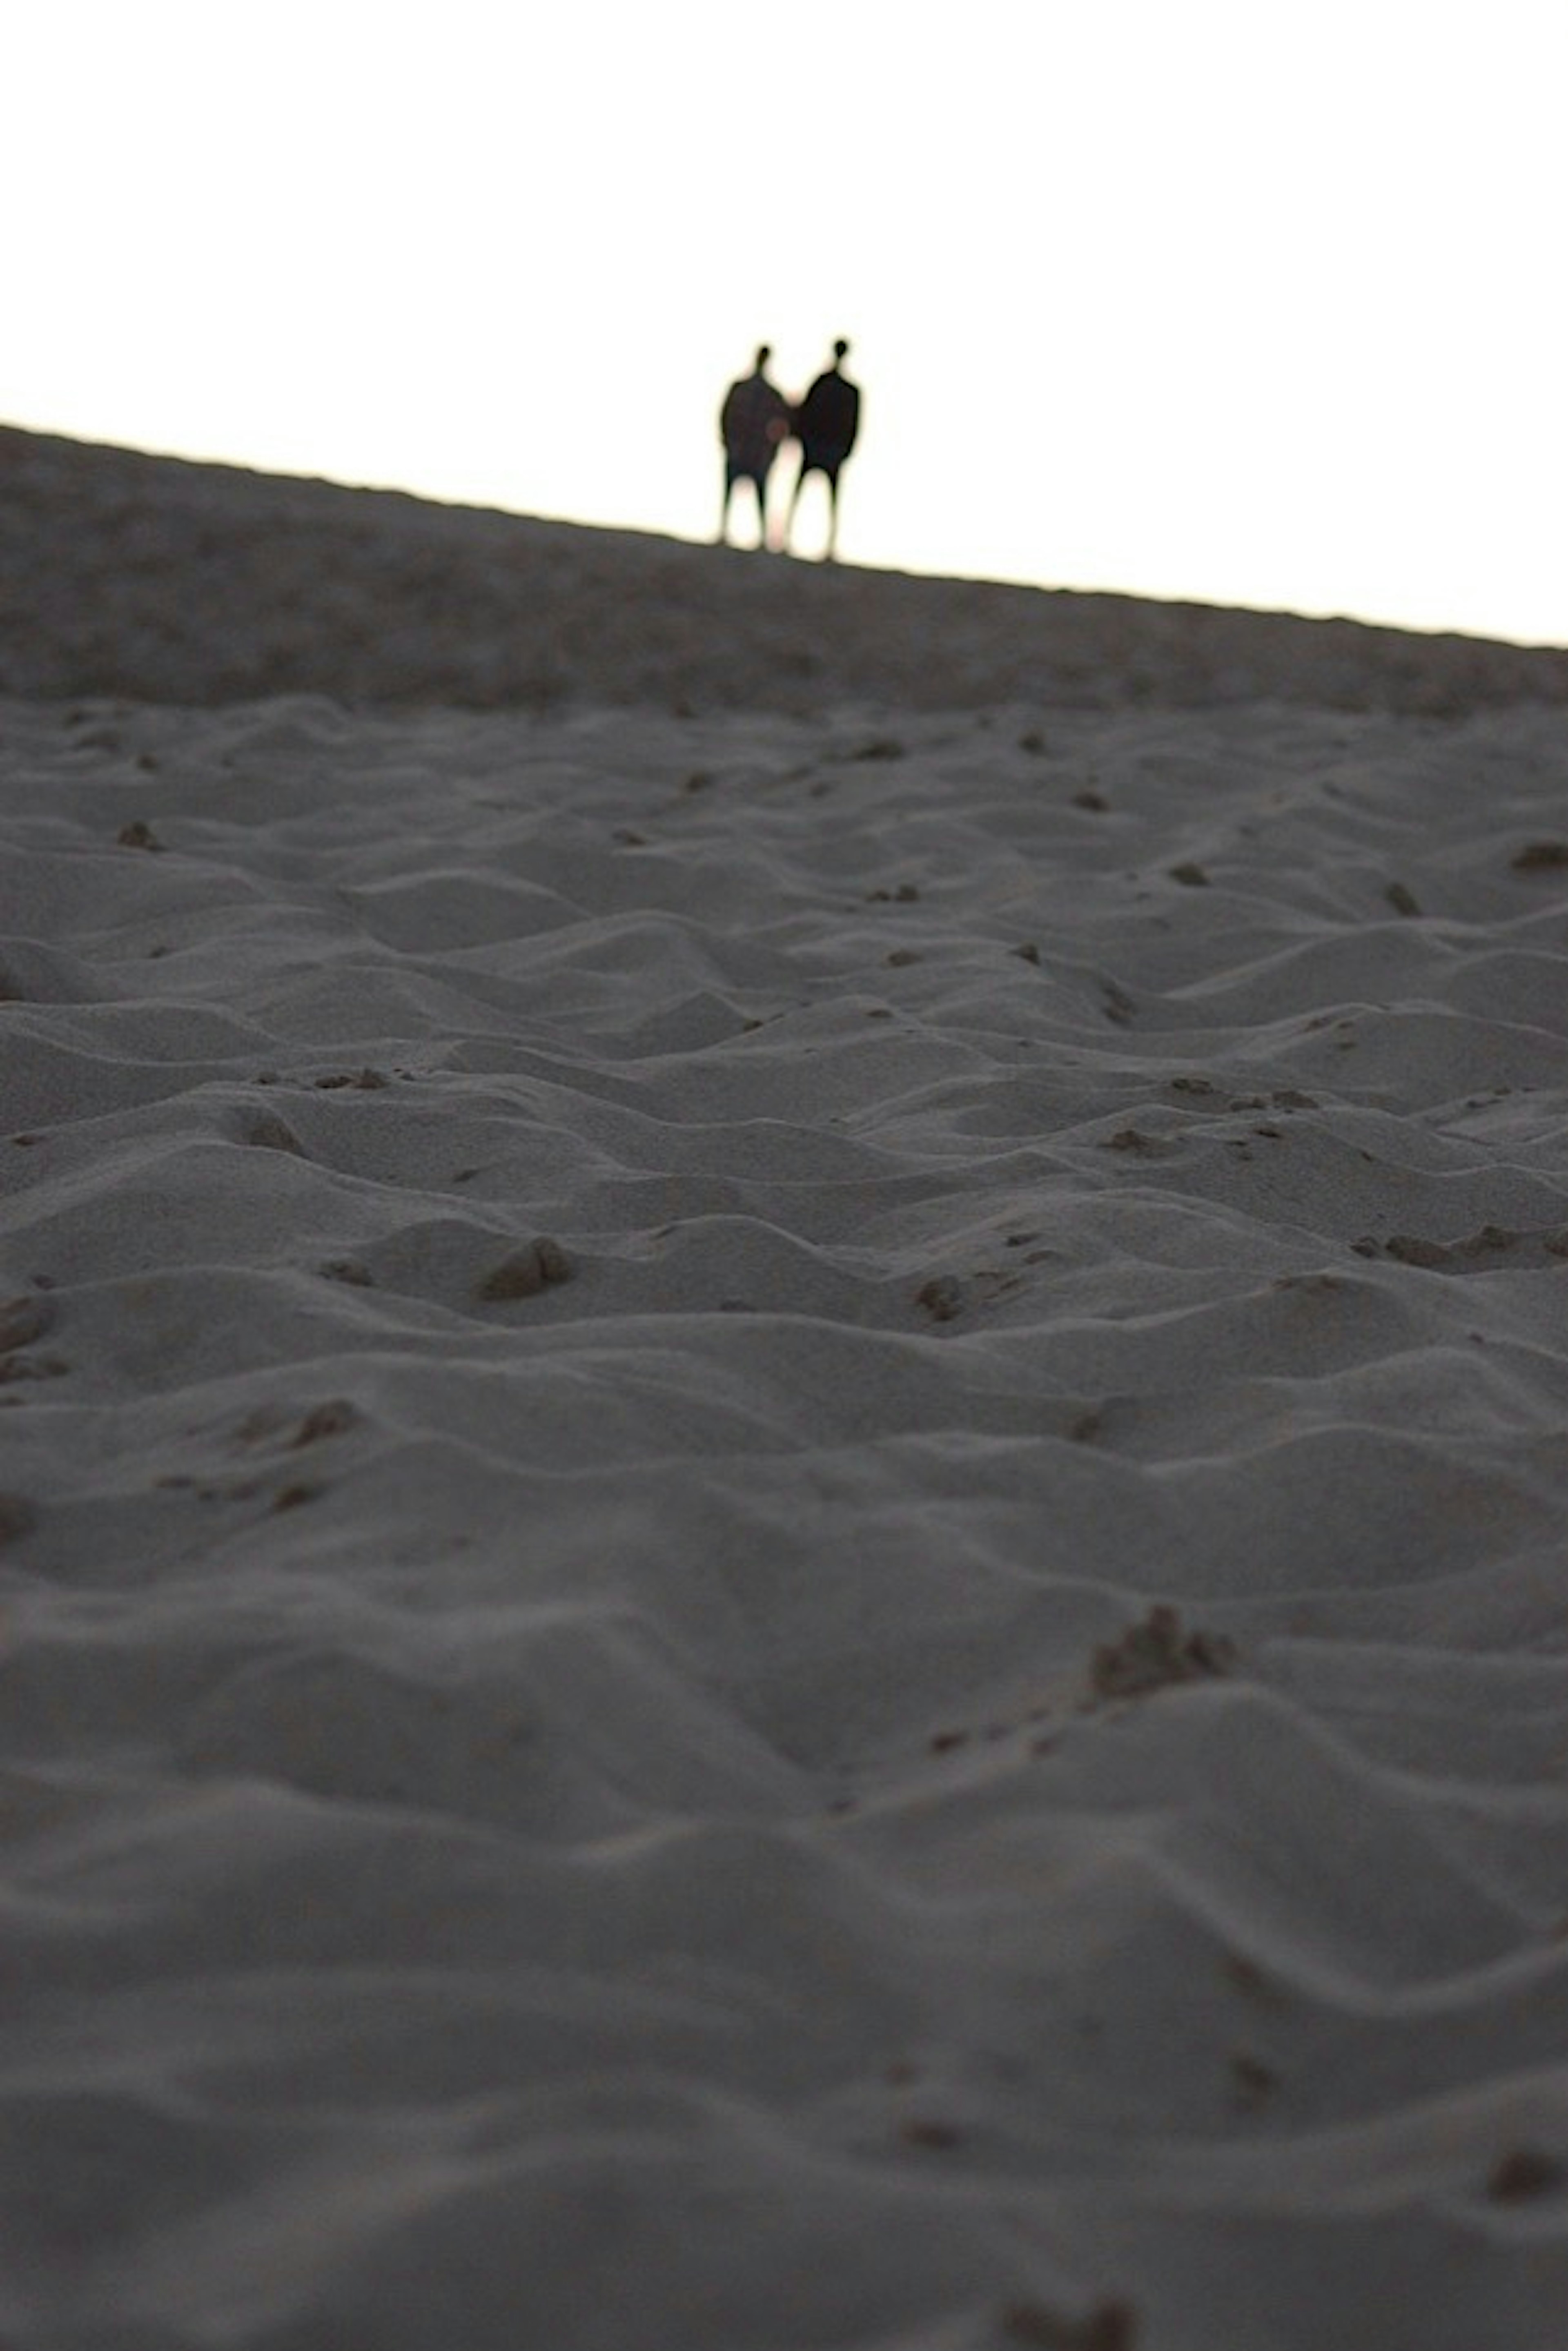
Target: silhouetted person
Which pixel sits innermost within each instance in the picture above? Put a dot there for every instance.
(753, 424)
(825, 425)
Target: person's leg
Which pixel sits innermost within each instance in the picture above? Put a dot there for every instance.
(730, 479)
(830, 475)
(806, 467)
(759, 484)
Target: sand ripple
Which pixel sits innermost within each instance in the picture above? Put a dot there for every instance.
(603, 1318)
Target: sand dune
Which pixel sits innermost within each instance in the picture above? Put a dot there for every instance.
(782, 1450)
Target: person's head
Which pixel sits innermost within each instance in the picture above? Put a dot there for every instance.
(841, 351)
(764, 353)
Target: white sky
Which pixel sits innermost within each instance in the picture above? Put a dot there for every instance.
(1230, 300)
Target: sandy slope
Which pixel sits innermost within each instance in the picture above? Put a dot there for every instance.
(781, 1489)
(130, 575)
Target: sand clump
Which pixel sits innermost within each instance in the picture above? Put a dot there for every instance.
(526, 1271)
(1158, 1653)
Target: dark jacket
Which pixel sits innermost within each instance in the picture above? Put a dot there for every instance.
(828, 419)
(754, 420)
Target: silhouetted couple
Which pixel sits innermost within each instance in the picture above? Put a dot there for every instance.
(757, 420)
